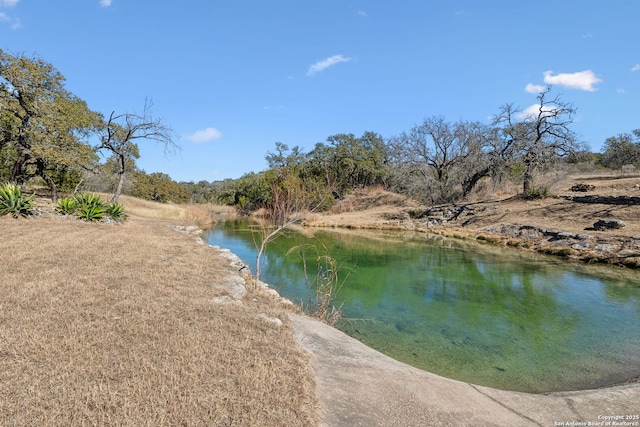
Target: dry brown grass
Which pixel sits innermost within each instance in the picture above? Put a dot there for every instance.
(368, 198)
(198, 214)
(116, 325)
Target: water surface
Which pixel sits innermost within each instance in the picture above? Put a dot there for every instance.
(466, 311)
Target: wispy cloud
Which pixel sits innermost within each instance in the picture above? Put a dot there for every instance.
(326, 63)
(362, 13)
(205, 135)
(105, 3)
(14, 23)
(635, 67)
(583, 80)
(531, 88)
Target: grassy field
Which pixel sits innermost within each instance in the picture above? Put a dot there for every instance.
(116, 325)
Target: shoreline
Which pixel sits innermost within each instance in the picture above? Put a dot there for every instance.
(484, 223)
(357, 385)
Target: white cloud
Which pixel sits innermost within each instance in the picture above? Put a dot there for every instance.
(326, 63)
(636, 67)
(531, 88)
(14, 23)
(105, 3)
(362, 13)
(533, 111)
(583, 80)
(205, 135)
(8, 3)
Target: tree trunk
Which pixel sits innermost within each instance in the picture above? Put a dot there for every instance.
(121, 159)
(527, 185)
(470, 183)
(52, 185)
(118, 191)
(19, 173)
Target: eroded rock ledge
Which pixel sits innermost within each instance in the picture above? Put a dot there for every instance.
(580, 246)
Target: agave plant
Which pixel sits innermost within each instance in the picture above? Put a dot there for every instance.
(90, 207)
(116, 211)
(89, 199)
(67, 206)
(91, 212)
(13, 202)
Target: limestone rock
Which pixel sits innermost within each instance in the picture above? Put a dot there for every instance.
(270, 319)
(608, 224)
(225, 299)
(582, 187)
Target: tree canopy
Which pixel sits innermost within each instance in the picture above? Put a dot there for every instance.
(622, 150)
(537, 137)
(45, 128)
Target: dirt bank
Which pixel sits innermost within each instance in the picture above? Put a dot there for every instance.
(562, 224)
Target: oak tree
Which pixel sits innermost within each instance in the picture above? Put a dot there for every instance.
(538, 136)
(45, 127)
(622, 150)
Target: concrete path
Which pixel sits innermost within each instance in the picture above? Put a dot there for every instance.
(358, 386)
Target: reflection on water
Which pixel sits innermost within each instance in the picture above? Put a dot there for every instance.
(465, 311)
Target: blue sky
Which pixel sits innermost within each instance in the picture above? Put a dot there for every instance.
(233, 77)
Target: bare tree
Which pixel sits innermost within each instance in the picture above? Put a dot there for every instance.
(443, 155)
(120, 134)
(539, 136)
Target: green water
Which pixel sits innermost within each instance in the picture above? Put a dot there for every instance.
(467, 311)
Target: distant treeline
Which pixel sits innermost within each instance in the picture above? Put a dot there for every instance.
(49, 135)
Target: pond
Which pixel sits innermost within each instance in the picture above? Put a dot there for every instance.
(476, 313)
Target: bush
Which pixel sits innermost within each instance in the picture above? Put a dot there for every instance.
(13, 202)
(537, 193)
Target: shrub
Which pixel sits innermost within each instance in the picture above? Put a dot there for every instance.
(13, 202)
(537, 193)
